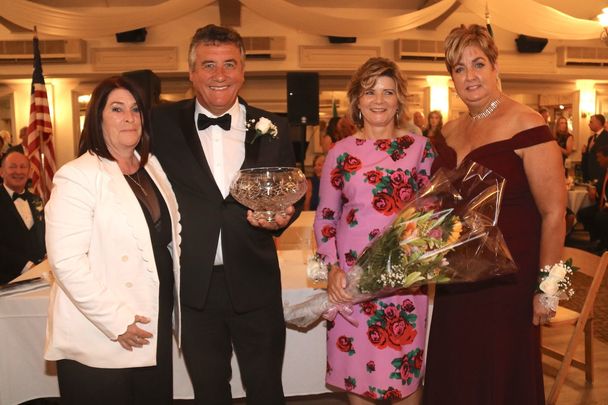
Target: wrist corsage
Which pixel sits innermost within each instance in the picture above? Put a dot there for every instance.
(263, 127)
(554, 283)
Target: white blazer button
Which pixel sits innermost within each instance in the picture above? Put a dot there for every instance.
(129, 285)
(125, 258)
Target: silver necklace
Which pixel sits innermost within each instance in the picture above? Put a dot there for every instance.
(488, 110)
(137, 183)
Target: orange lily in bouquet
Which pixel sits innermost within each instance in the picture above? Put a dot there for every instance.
(446, 234)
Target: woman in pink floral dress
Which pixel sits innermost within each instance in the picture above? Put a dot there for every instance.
(366, 180)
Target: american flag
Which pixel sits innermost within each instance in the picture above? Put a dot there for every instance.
(39, 146)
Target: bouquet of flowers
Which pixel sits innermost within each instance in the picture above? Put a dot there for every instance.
(446, 234)
(555, 284)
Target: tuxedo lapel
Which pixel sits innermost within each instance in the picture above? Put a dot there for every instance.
(36, 206)
(252, 147)
(12, 210)
(190, 133)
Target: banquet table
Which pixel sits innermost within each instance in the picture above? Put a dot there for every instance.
(299, 235)
(25, 375)
(578, 198)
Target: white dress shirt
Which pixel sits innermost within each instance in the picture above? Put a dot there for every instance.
(225, 153)
(23, 207)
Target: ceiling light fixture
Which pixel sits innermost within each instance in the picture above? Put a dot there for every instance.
(603, 19)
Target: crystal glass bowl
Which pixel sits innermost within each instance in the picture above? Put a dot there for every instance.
(268, 190)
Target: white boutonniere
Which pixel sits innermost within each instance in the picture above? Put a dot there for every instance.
(38, 207)
(554, 283)
(262, 127)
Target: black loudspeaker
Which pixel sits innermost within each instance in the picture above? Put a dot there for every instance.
(149, 84)
(303, 98)
(138, 35)
(342, 40)
(526, 44)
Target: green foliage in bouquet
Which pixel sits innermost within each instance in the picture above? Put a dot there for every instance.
(411, 250)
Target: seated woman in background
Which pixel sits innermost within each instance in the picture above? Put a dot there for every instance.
(112, 236)
(328, 138)
(344, 128)
(312, 191)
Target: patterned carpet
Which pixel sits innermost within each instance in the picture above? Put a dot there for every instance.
(580, 239)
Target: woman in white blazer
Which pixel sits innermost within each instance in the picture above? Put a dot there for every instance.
(113, 243)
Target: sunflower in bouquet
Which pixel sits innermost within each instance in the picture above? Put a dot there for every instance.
(406, 243)
(446, 234)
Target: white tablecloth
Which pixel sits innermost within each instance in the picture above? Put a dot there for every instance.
(299, 235)
(578, 198)
(24, 374)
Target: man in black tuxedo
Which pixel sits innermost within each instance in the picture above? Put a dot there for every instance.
(595, 216)
(591, 168)
(21, 219)
(230, 279)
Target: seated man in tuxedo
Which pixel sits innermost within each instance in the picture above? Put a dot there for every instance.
(595, 217)
(21, 219)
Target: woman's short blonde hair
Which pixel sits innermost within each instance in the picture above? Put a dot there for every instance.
(463, 37)
(365, 78)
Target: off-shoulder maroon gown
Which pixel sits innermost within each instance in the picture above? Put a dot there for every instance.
(483, 348)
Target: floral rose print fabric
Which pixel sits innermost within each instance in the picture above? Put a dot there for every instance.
(363, 186)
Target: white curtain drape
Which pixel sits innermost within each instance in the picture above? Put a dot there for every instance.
(520, 16)
(94, 22)
(313, 22)
(532, 18)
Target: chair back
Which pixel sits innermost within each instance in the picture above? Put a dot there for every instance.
(593, 266)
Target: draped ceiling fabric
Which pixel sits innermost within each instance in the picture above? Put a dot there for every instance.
(535, 19)
(520, 16)
(94, 22)
(314, 22)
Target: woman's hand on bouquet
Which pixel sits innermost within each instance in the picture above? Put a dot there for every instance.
(336, 286)
(541, 314)
(281, 219)
(135, 336)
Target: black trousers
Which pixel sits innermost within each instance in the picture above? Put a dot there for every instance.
(80, 384)
(595, 222)
(258, 338)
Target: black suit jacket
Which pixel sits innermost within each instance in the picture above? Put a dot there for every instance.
(18, 245)
(250, 260)
(591, 168)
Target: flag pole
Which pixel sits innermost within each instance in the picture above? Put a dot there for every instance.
(40, 131)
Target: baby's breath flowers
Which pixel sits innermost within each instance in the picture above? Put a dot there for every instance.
(555, 284)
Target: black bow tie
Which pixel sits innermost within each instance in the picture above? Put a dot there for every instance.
(205, 122)
(17, 195)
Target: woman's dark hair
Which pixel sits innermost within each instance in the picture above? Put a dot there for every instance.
(91, 139)
(331, 128)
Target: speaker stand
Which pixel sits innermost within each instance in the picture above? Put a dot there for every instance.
(303, 143)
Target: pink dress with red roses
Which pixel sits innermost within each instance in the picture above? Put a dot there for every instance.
(363, 186)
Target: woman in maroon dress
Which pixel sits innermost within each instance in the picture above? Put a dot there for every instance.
(484, 345)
